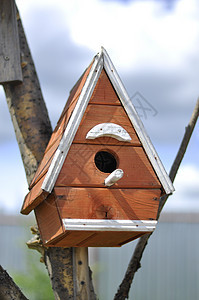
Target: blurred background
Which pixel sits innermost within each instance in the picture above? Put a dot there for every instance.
(154, 47)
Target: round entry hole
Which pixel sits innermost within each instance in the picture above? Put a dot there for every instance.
(105, 161)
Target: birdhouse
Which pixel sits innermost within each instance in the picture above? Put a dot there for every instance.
(100, 179)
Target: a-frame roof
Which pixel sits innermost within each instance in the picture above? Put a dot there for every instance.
(69, 122)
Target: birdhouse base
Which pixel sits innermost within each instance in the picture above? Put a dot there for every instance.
(57, 229)
(101, 233)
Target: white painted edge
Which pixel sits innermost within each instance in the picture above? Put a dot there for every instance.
(73, 124)
(109, 129)
(109, 225)
(137, 124)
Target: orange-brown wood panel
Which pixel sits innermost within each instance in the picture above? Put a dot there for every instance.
(95, 239)
(44, 166)
(33, 198)
(109, 239)
(135, 236)
(58, 131)
(48, 219)
(72, 238)
(103, 203)
(79, 168)
(96, 114)
(60, 128)
(104, 92)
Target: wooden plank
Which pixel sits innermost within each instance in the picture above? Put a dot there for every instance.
(115, 204)
(136, 236)
(79, 168)
(96, 114)
(96, 239)
(48, 219)
(59, 129)
(109, 239)
(73, 125)
(9, 43)
(44, 165)
(72, 239)
(33, 198)
(104, 92)
(81, 272)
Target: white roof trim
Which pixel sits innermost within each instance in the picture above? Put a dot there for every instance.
(109, 225)
(137, 124)
(102, 60)
(73, 124)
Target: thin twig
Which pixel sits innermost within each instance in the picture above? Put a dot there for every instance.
(134, 264)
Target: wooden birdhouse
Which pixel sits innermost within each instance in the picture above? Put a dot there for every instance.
(100, 179)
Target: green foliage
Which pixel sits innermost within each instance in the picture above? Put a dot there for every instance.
(34, 283)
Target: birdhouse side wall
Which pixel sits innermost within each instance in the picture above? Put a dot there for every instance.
(48, 220)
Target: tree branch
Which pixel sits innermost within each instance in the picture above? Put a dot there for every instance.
(8, 289)
(28, 111)
(134, 264)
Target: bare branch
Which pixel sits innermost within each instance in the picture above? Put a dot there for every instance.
(134, 264)
(8, 289)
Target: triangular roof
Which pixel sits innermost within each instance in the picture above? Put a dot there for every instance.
(68, 124)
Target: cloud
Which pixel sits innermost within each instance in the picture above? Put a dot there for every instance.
(153, 49)
(185, 198)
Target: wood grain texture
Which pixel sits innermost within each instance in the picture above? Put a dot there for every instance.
(99, 203)
(81, 270)
(79, 168)
(48, 219)
(94, 239)
(71, 239)
(96, 114)
(33, 199)
(10, 61)
(104, 92)
(58, 133)
(109, 239)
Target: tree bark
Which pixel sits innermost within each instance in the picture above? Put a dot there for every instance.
(28, 111)
(134, 264)
(8, 289)
(33, 130)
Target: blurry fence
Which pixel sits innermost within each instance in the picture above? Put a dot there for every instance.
(170, 265)
(14, 233)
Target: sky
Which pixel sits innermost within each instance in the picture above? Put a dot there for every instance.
(154, 47)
